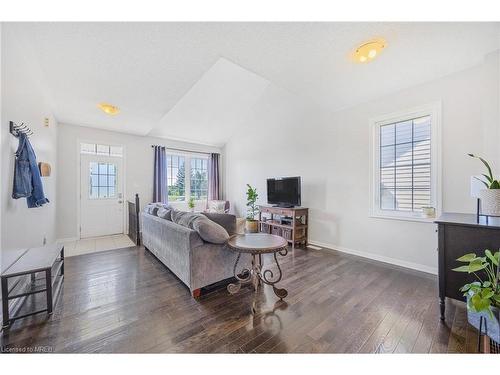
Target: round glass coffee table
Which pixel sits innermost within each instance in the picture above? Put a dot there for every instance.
(257, 244)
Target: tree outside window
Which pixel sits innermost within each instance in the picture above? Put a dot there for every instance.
(184, 184)
(199, 178)
(176, 177)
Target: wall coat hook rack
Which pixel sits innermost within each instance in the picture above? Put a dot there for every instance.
(16, 129)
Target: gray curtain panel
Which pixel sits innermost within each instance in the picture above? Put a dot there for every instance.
(213, 177)
(160, 175)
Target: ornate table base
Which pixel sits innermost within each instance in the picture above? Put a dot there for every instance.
(256, 275)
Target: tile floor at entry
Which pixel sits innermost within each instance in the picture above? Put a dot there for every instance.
(96, 244)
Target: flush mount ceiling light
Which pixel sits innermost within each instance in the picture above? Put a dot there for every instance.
(109, 109)
(369, 50)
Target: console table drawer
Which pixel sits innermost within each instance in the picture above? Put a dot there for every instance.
(277, 211)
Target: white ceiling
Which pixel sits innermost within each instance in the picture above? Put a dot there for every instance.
(223, 96)
(165, 74)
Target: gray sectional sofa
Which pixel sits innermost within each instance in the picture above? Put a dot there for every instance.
(195, 262)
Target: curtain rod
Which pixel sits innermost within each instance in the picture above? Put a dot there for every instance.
(182, 150)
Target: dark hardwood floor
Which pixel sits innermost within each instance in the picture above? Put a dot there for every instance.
(126, 301)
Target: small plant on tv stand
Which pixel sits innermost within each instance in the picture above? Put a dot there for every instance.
(251, 224)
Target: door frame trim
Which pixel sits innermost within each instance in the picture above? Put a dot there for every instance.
(79, 141)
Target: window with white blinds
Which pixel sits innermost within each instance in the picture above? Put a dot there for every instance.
(404, 165)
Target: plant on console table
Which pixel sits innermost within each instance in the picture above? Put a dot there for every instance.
(483, 294)
(251, 224)
(489, 197)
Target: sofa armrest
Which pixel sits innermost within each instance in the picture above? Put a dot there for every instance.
(227, 221)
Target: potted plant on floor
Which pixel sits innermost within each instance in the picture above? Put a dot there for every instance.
(483, 294)
(252, 225)
(489, 197)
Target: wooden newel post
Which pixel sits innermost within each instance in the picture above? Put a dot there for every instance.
(138, 230)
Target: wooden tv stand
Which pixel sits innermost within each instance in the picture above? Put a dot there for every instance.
(289, 223)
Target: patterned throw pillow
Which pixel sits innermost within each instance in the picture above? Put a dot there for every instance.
(152, 208)
(216, 207)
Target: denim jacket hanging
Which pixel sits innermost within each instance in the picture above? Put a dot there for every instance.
(27, 180)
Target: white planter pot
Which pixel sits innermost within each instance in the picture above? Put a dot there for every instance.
(490, 201)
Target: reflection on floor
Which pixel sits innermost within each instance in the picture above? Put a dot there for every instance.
(96, 244)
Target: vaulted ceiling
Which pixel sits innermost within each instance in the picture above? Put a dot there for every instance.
(194, 81)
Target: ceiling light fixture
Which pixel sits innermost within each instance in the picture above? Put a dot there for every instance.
(369, 50)
(108, 108)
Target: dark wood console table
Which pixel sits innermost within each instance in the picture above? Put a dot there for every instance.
(48, 260)
(289, 223)
(459, 234)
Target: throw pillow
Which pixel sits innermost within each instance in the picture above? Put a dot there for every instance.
(210, 231)
(151, 209)
(164, 213)
(184, 218)
(216, 206)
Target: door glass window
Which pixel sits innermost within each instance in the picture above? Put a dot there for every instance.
(102, 180)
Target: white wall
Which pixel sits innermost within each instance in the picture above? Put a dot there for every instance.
(139, 160)
(25, 99)
(2, 125)
(283, 137)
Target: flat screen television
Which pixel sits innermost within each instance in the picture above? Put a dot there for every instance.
(283, 192)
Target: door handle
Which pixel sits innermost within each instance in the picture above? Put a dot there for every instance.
(120, 201)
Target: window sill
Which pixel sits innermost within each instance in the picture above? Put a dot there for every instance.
(429, 220)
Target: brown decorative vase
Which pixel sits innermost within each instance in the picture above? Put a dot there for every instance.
(251, 226)
(490, 202)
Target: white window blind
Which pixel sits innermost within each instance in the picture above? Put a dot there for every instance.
(405, 165)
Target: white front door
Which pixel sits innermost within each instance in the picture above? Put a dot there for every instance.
(101, 195)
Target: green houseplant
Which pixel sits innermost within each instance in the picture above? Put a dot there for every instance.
(191, 204)
(483, 294)
(489, 197)
(252, 225)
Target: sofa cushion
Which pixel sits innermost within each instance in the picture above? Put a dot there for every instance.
(209, 231)
(164, 213)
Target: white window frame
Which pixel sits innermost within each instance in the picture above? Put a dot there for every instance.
(434, 111)
(187, 164)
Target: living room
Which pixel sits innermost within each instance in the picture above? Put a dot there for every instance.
(250, 187)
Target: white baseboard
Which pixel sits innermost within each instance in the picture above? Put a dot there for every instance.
(70, 239)
(377, 257)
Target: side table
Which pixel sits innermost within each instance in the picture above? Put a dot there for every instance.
(257, 244)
